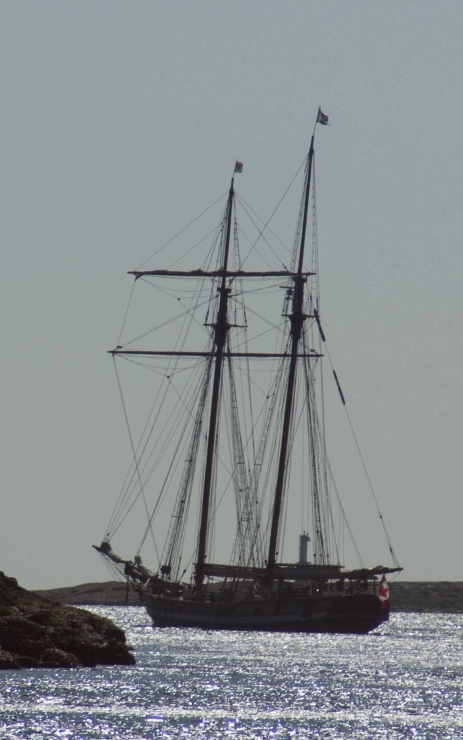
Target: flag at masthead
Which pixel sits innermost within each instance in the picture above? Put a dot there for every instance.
(322, 118)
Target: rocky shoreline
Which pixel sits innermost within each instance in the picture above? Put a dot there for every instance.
(38, 633)
(405, 596)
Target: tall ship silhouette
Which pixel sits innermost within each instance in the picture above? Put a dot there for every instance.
(229, 464)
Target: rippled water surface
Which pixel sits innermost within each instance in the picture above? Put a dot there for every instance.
(403, 681)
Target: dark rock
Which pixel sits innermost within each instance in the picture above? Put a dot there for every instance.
(7, 660)
(35, 632)
(25, 661)
(53, 658)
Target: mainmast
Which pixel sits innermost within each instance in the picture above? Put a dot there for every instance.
(297, 322)
(221, 328)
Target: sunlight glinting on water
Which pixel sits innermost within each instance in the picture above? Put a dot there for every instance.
(404, 681)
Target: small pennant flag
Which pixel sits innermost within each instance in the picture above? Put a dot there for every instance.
(321, 118)
(238, 166)
(384, 593)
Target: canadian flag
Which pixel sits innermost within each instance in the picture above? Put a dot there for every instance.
(384, 593)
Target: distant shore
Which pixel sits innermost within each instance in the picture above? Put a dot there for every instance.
(405, 596)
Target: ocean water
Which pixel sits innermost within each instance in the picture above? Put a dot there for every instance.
(403, 681)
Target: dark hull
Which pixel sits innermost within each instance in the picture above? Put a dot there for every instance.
(354, 614)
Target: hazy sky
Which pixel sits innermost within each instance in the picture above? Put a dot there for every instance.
(120, 122)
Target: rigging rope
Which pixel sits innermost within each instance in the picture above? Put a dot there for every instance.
(126, 312)
(391, 549)
(243, 202)
(133, 451)
(261, 234)
(184, 313)
(212, 231)
(383, 523)
(273, 212)
(182, 230)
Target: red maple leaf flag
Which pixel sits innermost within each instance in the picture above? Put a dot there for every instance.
(384, 593)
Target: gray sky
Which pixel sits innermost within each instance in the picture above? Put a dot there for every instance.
(120, 122)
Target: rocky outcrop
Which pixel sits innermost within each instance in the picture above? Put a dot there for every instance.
(35, 632)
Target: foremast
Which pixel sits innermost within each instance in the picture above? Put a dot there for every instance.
(221, 328)
(296, 318)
